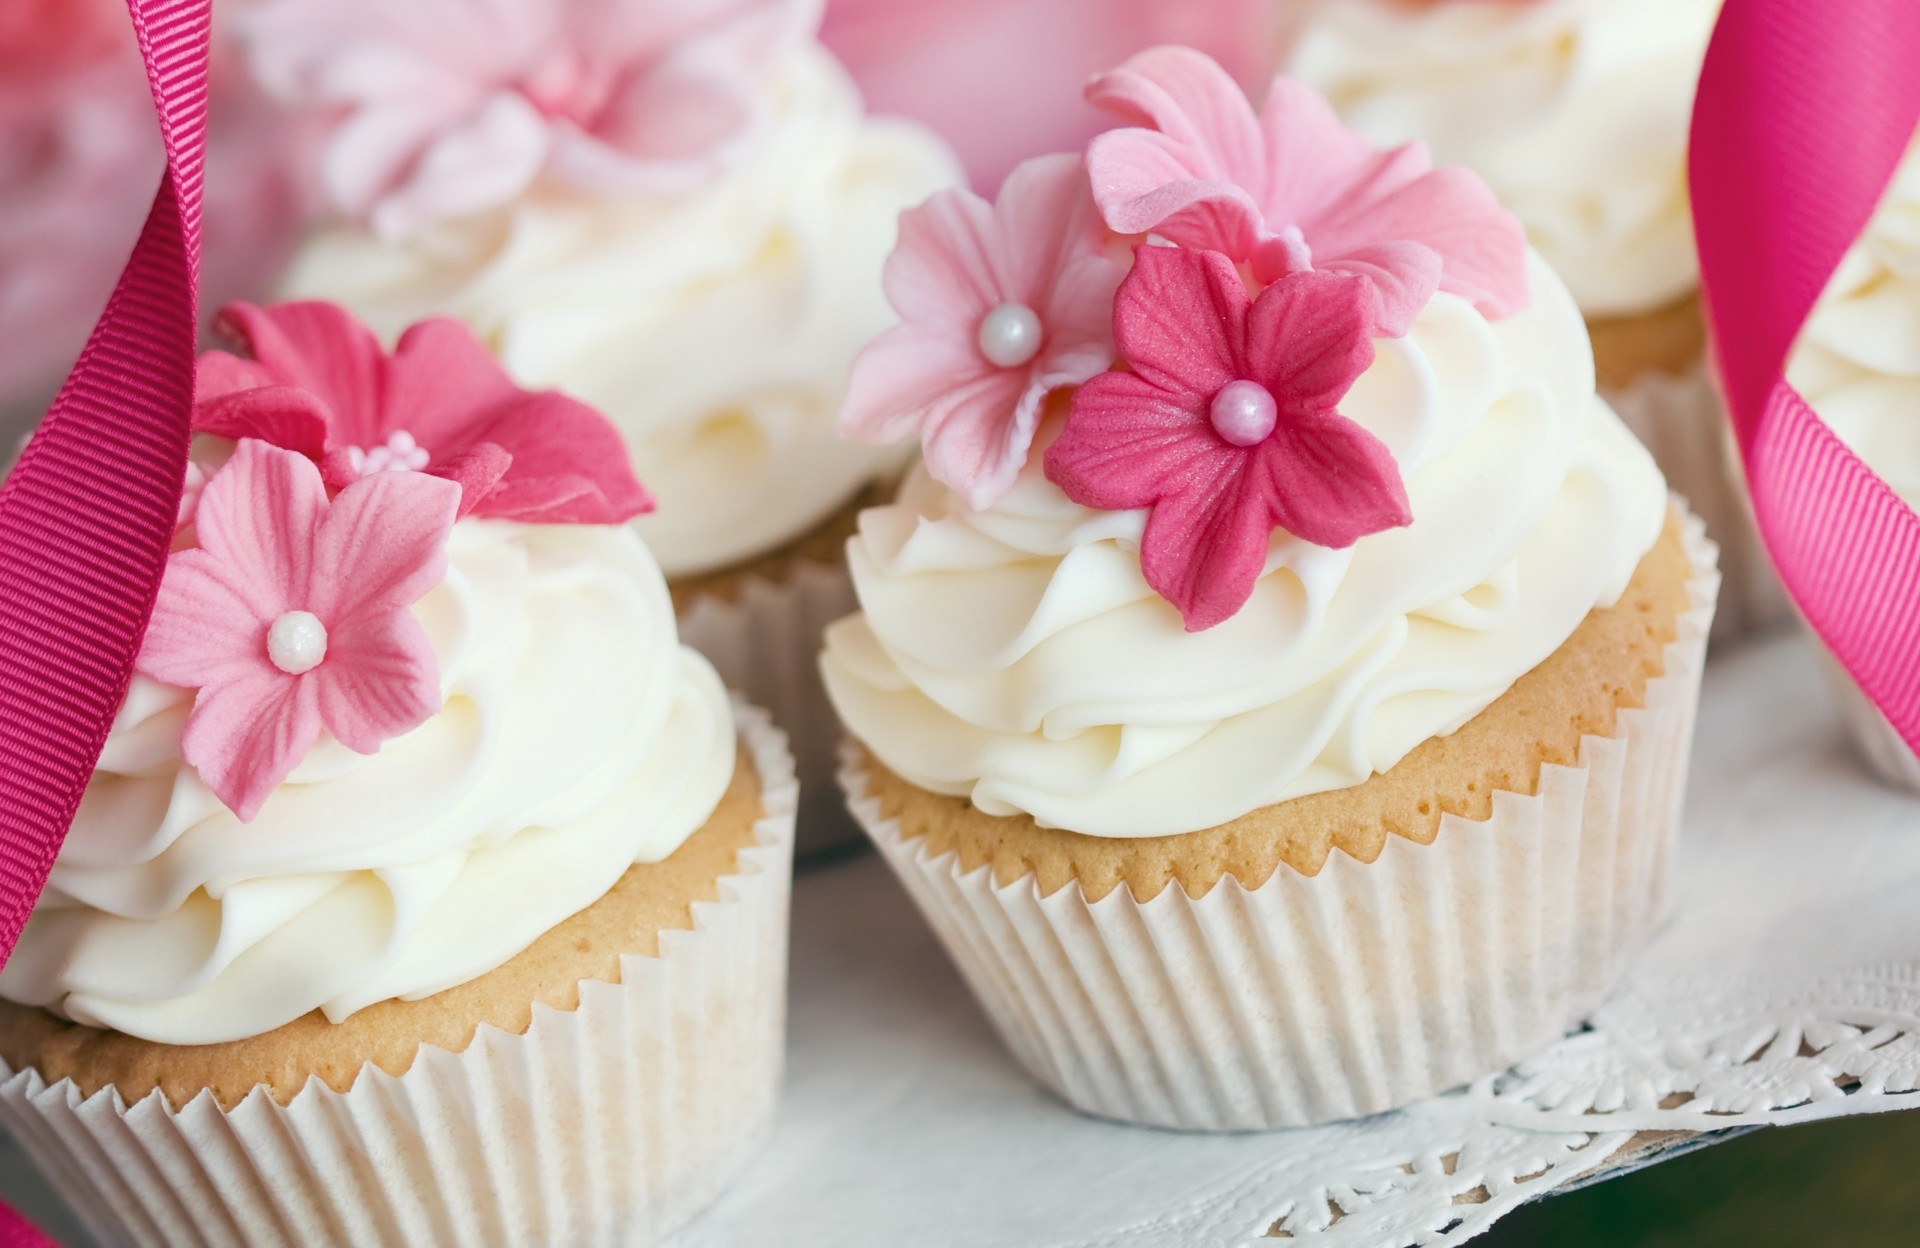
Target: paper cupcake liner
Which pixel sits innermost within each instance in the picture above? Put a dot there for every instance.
(1362, 988)
(765, 642)
(609, 1124)
(1683, 421)
(1884, 751)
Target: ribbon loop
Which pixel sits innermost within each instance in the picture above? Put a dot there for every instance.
(87, 516)
(1803, 114)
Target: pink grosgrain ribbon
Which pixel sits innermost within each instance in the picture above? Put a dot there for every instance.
(88, 514)
(1804, 111)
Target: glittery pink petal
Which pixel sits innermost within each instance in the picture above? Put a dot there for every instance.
(942, 271)
(1043, 216)
(1481, 246)
(1309, 339)
(1127, 443)
(1401, 278)
(1312, 161)
(379, 680)
(247, 735)
(1191, 169)
(441, 377)
(1206, 544)
(902, 374)
(1328, 481)
(976, 438)
(476, 470)
(318, 347)
(380, 547)
(1180, 320)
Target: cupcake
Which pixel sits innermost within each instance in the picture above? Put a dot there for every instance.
(1278, 701)
(1858, 364)
(427, 889)
(677, 213)
(1576, 113)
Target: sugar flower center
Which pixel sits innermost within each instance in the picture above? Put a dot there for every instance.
(400, 453)
(1010, 335)
(297, 642)
(1244, 413)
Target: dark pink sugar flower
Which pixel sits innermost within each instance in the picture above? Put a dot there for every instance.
(1291, 190)
(290, 616)
(1228, 425)
(315, 380)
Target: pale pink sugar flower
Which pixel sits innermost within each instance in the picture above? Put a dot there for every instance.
(290, 616)
(1292, 190)
(450, 107)
(1000, 304)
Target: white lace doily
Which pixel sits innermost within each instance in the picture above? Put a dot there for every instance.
(1786, 988)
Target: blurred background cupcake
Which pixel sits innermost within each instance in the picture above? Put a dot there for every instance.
(424, 872)
(677, 212)
(79, 158)
(1275, 682)
(1858, 364)
(1576, 113)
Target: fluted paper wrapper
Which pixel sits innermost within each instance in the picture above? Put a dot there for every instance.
(766, 643)
(1362, 988)
(1874, 738)
(610, 1124)
(1683, 421)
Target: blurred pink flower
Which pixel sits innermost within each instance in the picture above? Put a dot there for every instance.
(1001, 303)
(290, 617)
(1228, 425)
(315, 381)
(1001, 79)
(449, 107)
(79, 160)
(1290, 189)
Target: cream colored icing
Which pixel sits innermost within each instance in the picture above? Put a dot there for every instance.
(1016, 656)
(1574, 111)
(714, 328)
(1858, 360)
(577, 737)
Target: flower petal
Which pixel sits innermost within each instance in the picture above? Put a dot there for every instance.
(942, 270)
(440, 380)
(379, 680)
(1309, 339)
(1079, 313)
(381, 546)
(1481, 246)
(569, 465)
(256, 521)
(476, 470)
(901, 374)
(209, 622)
(286, 416)
(1127, 443)
(1328, 481)
(1180, 321)
(479, 164)
(247, 735)
(1401, 278)
(318, 347)
(1193, 172)
(977, 438)
(1043, 217)
(1206, 544)
(1313, 162)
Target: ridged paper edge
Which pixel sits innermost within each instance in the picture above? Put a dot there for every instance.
(1683, 422)
(1357, 990)
(766, 643)
(612, 1123)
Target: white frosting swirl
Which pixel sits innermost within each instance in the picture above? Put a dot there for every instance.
(1858, 360)
(1017, 656)
(577, 737)
(714, 328)
(1574, 111)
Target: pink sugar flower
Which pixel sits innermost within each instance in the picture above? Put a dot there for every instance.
(1228, 426)
(449, 107)
(290, 617)
(1292, 190)
(316, 381)
(1001, 304)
